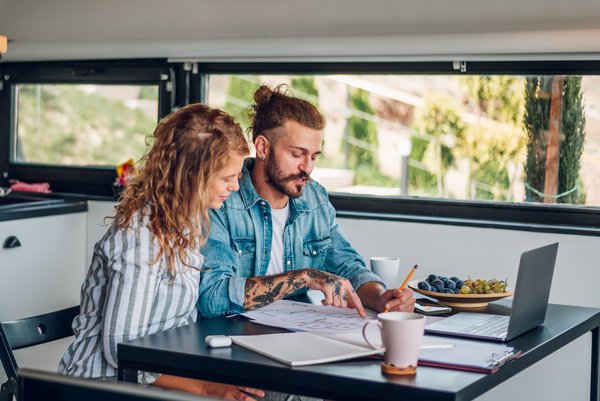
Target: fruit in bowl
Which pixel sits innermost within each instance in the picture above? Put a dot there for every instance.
(454, 291)
(455, 285)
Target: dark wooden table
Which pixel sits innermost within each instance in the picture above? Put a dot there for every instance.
(182, 352)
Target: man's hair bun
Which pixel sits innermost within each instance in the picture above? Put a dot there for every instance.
(263, 95)
(275, 107)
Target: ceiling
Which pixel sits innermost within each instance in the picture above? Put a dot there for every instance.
(230, 28)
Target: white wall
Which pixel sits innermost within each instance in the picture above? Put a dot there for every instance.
(481, 252)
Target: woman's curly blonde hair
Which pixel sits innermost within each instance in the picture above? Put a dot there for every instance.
(191, 146)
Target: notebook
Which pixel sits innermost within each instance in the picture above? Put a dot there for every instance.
(302, 348)
(530, 301)
(308, 348)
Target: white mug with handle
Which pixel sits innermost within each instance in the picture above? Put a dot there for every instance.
(401, 336)
(387, 268)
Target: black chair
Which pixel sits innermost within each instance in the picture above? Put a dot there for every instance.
(27, 332)
(42, 386)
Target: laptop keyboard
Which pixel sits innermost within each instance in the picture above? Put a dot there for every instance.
(495, 326)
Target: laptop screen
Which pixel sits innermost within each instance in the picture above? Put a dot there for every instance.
(532, 289)
(529, 305)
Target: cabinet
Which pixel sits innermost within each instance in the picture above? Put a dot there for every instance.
(44, 273)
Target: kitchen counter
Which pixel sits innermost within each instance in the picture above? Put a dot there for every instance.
(21, 206)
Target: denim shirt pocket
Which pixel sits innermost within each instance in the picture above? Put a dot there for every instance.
(245, 249)
(242, 246)
(315, 251)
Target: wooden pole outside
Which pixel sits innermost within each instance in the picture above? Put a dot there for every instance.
(553, 147)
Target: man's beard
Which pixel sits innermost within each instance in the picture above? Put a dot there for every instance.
(278, 179)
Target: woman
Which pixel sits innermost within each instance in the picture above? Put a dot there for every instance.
(145, 271)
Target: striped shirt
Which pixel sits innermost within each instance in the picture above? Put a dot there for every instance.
(124, 297)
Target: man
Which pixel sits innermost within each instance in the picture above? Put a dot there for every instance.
(278, 235)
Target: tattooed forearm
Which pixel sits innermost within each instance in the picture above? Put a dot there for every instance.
(250, 284)
(269, 281)
(318, 274)
(261, 291)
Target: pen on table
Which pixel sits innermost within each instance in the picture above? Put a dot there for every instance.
(437, 346)
(414, 269)
(504, 358)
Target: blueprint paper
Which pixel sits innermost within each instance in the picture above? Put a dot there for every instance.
(300, 316)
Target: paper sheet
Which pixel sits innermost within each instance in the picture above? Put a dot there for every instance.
(300, 316)
(482, 355)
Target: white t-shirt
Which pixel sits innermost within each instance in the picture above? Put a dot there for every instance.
(279, 218)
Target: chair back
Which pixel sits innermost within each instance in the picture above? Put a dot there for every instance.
(27, 332)
(41, 386)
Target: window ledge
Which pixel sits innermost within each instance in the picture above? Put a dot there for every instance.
(563, 219)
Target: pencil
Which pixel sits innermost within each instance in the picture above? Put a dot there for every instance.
(414, 269)
(410, 274)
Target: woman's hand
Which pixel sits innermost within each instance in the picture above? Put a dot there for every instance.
(203, 387)
(230, 392)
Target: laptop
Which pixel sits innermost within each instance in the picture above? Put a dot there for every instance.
(530, 301)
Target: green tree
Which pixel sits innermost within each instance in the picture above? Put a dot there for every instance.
(571, 145)
(498, 96)
(361, 132)
(304, 87)
(493, 145)
(439, 122)
(493, 152)
(535, 121)
(420, 179)
(240, 92)
(572, 136)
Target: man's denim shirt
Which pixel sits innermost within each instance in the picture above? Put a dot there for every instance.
(239, 245)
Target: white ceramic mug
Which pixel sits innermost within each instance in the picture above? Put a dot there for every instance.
(401, 337)
(387, 268)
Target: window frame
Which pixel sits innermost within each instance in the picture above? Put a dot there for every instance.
(187, 82)
(524, 216)
(95, 181)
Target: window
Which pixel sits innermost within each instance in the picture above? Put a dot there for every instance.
(72, 123)
(475, 137)
(472, 143)
(83, 124)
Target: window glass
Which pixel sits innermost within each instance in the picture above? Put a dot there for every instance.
(471, 137)
(83, 125)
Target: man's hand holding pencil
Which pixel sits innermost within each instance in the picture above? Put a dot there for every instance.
(376, 297)
(402, 294)
(397, 300)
